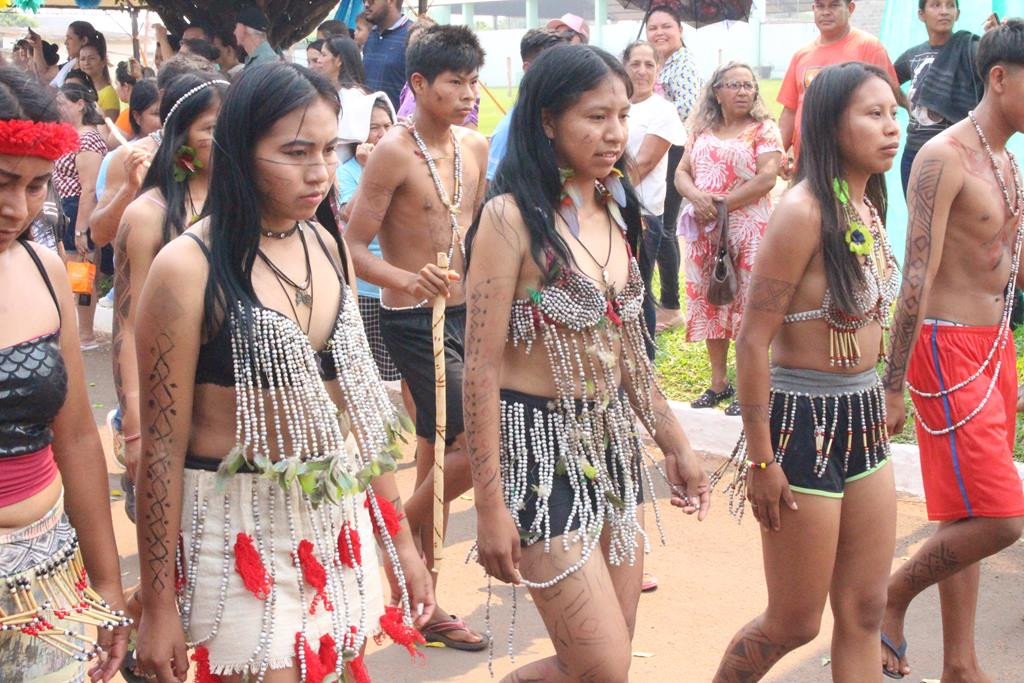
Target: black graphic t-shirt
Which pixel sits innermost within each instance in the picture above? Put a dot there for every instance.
(924, 123)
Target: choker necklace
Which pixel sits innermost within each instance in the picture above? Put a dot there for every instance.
(280, 235)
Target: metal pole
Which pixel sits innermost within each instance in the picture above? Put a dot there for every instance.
(136, 50)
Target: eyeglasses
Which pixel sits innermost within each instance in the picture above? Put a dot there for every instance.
(739, 85)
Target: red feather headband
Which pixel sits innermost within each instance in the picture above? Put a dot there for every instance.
(48, 140)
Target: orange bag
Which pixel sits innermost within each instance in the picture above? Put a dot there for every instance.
(82, 274)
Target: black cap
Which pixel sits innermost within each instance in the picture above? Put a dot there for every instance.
(253, 17)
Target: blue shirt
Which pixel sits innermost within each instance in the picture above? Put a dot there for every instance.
(499, 143)
(101, 177)
(384, 59)
(264, 54)
(348, 180)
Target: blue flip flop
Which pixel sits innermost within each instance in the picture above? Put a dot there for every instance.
(900, 652)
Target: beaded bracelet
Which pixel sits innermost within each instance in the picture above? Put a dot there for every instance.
(757, 465)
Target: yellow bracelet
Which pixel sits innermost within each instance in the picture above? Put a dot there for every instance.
(758, 465)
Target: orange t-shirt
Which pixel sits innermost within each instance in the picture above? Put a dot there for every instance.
(124, 123)
(808, 62)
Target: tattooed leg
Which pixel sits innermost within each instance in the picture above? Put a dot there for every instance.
(796, 590)
(749, 656)
(956, 546)
(582, 617)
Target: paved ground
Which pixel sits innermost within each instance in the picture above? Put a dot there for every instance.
(711, 583)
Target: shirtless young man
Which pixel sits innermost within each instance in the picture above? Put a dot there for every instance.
(399, 202)
(950, 341)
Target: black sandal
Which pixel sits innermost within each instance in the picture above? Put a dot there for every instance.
(711, 398)
(733, 409)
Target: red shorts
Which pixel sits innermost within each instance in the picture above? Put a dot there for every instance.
(968, 472)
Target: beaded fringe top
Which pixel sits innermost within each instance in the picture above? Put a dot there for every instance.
(584, 332)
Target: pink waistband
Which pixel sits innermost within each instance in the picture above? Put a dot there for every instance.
(26, 475)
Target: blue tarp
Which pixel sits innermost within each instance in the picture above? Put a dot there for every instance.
(901, 29)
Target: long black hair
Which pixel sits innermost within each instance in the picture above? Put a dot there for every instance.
(821, 163)
(529, 172)
(91, 115)
(351, 72)
(255, 102)
(144, 94)
(161, 170)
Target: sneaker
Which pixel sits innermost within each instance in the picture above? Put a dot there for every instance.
(116, 438)
(107, 301)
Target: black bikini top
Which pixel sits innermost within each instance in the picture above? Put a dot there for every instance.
(33, 385)
(214, 364)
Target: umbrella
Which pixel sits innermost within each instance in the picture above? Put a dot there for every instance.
(697, 13)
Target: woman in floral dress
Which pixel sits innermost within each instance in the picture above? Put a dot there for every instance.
(733, 157)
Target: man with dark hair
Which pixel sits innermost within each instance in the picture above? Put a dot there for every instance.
(232, 57)
(952, 345)
(418, 193)
(384, 51)
(331, 28)
(533, 42)
(838, 42)
(196, 31)
(251, 26)
(943, 75)
(200, 47)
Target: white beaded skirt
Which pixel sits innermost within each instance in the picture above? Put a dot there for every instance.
(259, 571)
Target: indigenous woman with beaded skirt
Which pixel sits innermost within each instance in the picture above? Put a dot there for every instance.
(814, 454)
(267, 435)
(556, 369)
(53, 483)
(171, 198)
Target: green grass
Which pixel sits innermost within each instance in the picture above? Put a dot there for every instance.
(684, 373)
(490, 114)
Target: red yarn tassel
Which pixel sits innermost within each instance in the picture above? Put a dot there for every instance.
(392, 519)
(348, 559)
(357, 667)
(201, 657)
(406, 636)
(328, 653)
(315, 671)
(315, 575)
(250, 567)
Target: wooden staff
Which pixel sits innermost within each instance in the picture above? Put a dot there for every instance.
(440, 417)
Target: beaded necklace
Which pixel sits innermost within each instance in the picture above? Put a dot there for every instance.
(453, 204)
(1004, 321)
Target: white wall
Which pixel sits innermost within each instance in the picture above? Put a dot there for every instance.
(712, 45)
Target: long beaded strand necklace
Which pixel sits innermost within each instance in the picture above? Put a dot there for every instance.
(1000, 340)
(453, 204)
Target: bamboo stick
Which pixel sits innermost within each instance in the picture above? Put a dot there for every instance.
(441, 417)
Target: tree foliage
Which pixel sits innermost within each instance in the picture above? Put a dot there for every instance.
(290, 20)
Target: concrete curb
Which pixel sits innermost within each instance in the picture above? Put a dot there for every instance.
(715, 432)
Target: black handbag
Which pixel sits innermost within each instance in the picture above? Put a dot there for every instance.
(724, 285)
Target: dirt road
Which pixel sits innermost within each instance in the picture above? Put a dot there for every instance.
(711, 584)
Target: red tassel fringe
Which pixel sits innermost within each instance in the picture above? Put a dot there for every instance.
(318, 665)
(315, 575)
(348, 559)
(406, 636)
(392, 519)
(250, 567)
(357, 667)
(201, 657)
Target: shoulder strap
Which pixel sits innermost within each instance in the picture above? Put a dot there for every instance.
(42, 271)
(339, 269)
(202, 245)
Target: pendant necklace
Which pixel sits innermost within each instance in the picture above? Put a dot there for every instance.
(303, 291)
